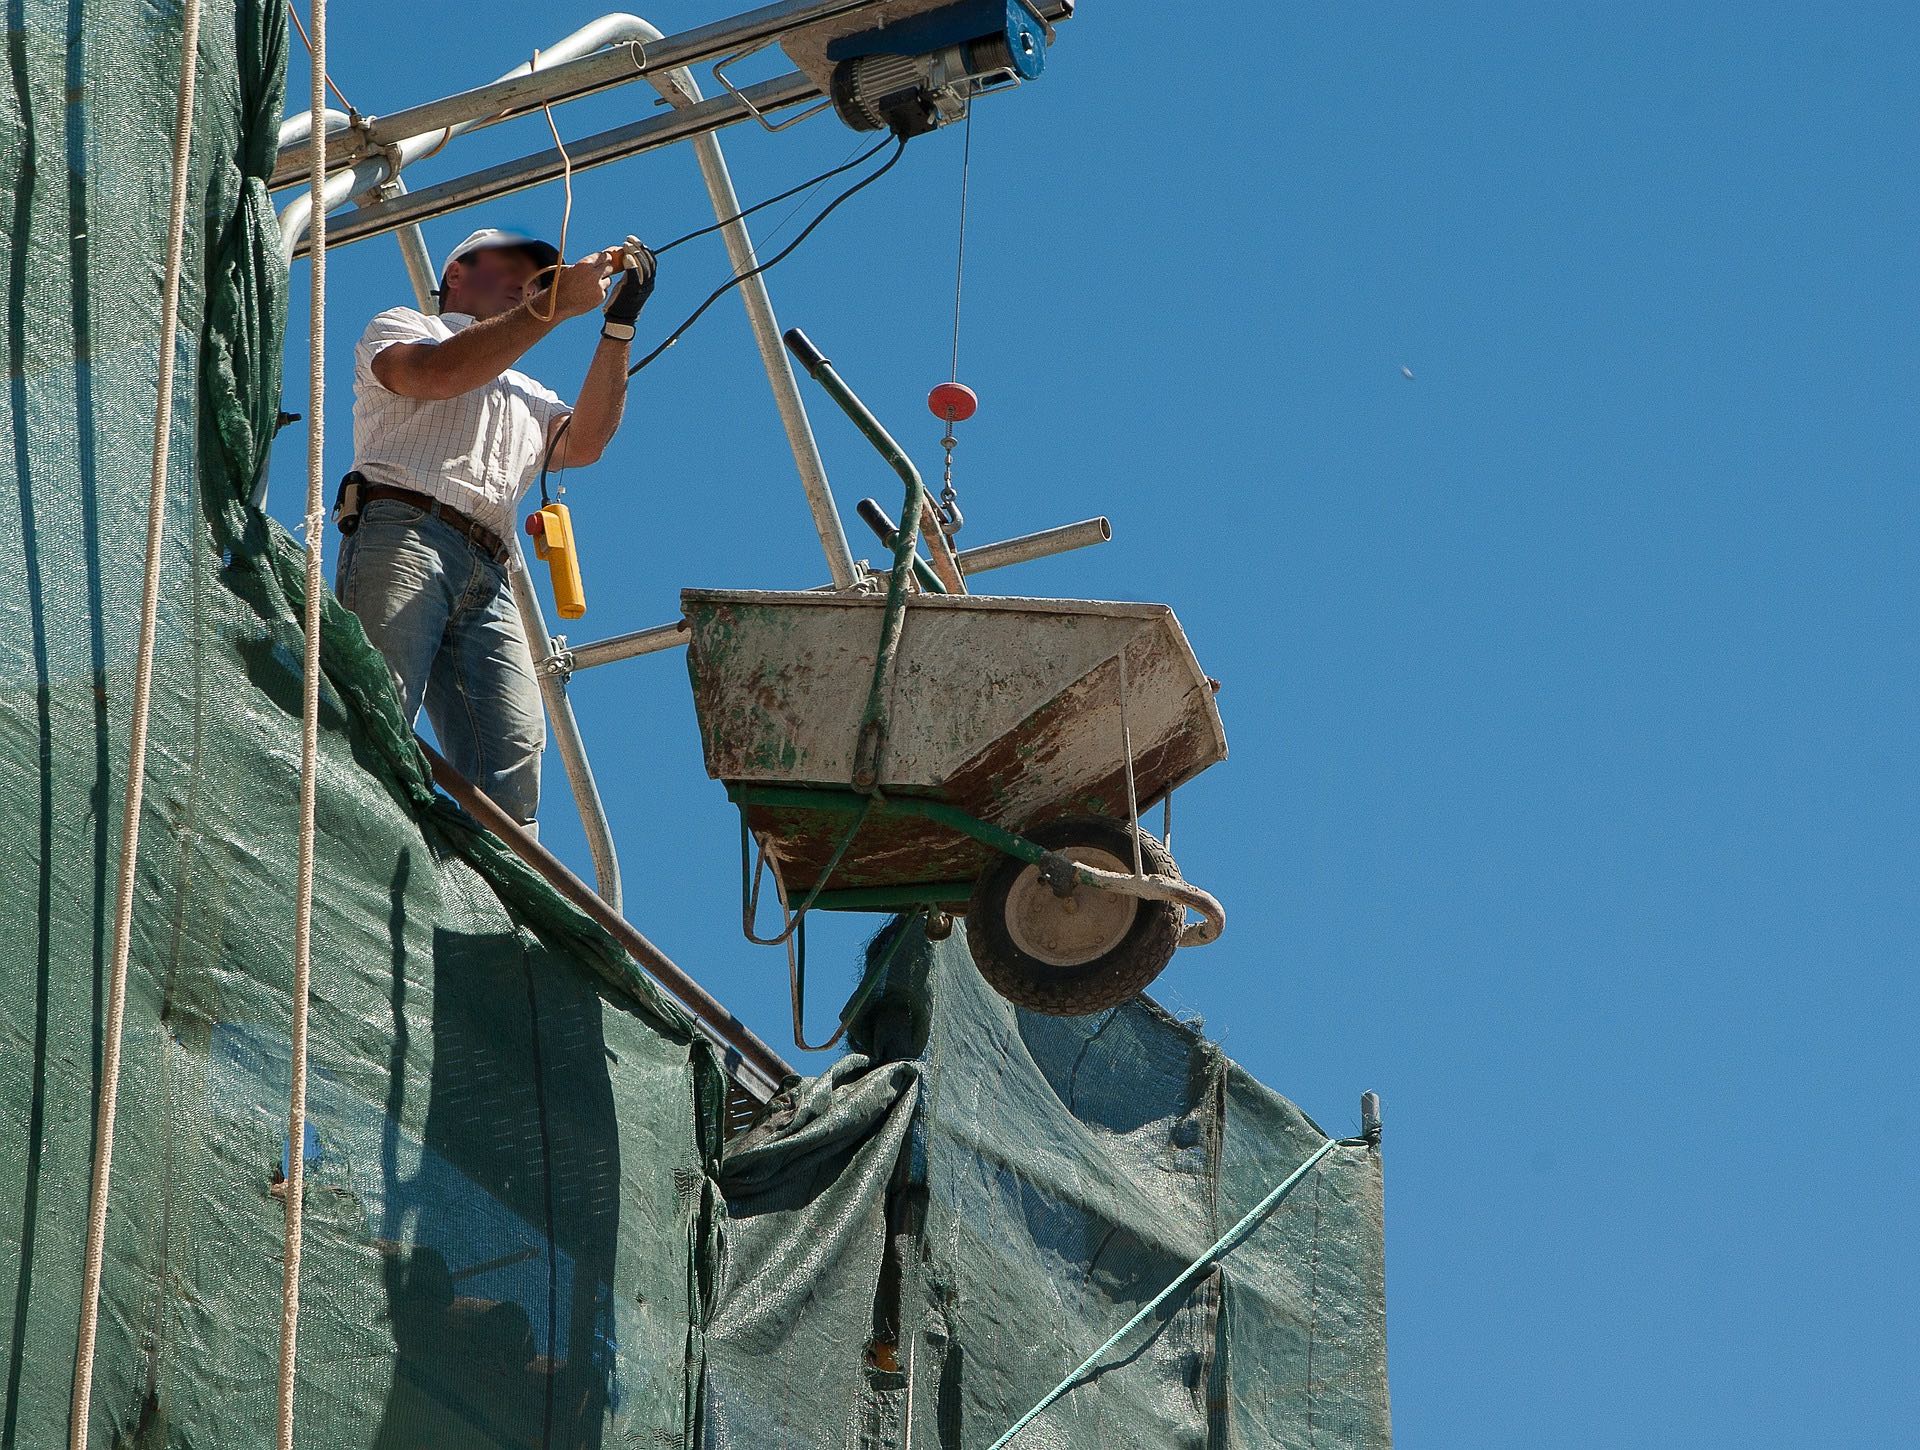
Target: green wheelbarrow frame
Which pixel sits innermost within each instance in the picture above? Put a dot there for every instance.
(939, 901)
(773, 672)
(948, 895)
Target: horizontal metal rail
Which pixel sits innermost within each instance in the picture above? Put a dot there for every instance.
(1022, 550)
(520, 94)
(482, 106)
(517, 95)
(622, 646)
(1147, 887)
(597, 150)
(1029, 547)
(747, 1057)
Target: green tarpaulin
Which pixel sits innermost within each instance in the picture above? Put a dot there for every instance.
(523, 1226)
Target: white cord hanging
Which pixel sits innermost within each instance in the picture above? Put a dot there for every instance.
(309, 748)
(116, 1006)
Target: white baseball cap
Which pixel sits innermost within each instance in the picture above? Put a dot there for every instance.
(493, 239)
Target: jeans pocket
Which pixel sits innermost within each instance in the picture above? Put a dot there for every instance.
(390, 511)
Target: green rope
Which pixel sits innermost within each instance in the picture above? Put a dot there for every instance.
(1227, 1242)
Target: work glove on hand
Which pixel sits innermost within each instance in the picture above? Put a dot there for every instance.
(629, 293)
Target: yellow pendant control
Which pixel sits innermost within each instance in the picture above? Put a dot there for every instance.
(552, 531)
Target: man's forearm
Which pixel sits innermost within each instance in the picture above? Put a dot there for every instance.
(477, 354)
(596, 413)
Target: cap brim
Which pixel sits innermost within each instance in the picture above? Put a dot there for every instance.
(544, 254)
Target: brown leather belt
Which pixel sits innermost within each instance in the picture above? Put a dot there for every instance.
(485, 538)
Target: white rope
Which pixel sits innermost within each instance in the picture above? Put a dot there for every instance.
(309, 739)
(136, 742)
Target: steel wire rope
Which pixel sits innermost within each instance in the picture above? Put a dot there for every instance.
(948, 512)
(960, 259)
(116, 1006)
(900, 146)
(309, 754)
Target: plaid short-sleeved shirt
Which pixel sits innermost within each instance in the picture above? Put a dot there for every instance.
(476, 453)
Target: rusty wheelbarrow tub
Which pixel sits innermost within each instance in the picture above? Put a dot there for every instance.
(1000, 786)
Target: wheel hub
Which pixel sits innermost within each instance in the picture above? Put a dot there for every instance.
(1069, 931)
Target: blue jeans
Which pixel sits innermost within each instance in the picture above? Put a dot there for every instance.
(442, 612)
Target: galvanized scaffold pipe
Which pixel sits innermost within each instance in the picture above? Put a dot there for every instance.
(773, 358)
(566, 731)
(371, 218)
(1025, 549)
(293, 140)
(607, 52)
(677, 87)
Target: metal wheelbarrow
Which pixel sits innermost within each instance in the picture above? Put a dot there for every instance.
(961, 754)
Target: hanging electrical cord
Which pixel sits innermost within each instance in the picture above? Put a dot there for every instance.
(900, 146)
(826, 211)
(744, 213)
(808, 185)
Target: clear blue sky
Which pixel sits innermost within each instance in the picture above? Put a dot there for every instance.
(1571, 684)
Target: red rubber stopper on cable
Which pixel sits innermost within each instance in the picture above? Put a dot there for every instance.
(952, 402)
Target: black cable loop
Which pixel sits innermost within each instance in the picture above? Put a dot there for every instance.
(900, 146)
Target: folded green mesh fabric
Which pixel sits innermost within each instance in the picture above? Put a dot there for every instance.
(523, 1227)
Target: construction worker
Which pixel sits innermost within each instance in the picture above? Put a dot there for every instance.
(446, 438)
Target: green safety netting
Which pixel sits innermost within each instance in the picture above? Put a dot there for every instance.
(934, 1233)
(523, 1227)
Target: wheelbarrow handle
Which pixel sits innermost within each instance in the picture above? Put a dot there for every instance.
(1213, 916)
(884, 529)
(804, 352)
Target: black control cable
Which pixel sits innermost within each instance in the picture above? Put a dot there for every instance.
(899, 147)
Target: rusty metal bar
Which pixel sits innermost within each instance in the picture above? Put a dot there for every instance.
(894, 898)
(743, 1046)
(1146, 887)
(842, 802)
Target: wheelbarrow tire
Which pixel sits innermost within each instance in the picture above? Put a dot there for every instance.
(1129, 954)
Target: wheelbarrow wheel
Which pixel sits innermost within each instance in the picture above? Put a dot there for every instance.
(1069, 956)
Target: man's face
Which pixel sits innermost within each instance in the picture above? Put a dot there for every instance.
(489, 283)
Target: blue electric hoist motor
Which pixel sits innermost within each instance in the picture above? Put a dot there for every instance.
(922, 72)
